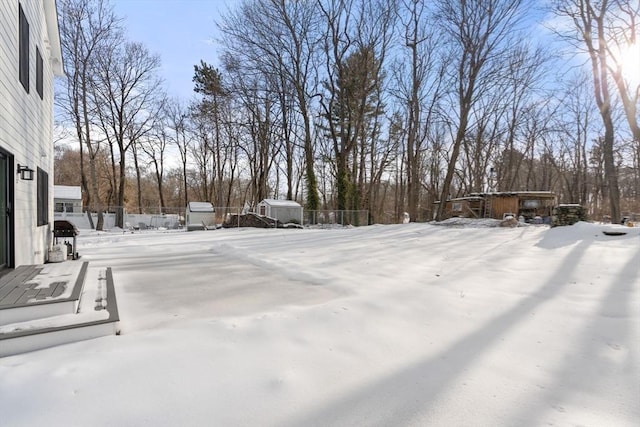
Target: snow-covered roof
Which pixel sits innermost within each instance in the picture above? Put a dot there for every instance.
(468, 198)
(281, 203)
(71, 192)
(516, 193)
(200, 207)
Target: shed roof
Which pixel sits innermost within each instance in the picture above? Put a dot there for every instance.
(540, 194)
(70, 192)
(281, 203)
(467, 198)
(200, 207)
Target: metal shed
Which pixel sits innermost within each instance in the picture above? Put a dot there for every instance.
(285, 211)
(200, 216)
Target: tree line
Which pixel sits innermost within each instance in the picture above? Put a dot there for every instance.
(379, 105)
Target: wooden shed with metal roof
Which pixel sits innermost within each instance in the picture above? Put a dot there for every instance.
(531, 205)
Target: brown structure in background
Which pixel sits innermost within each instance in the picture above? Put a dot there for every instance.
(532, 205)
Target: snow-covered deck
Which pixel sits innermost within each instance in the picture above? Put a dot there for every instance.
(46, 305)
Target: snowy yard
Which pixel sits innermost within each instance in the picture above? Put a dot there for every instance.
(403, 325)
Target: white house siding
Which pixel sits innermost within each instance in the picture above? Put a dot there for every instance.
(26, 128)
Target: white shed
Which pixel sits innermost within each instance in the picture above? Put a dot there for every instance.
(200, 216)
(284, 211)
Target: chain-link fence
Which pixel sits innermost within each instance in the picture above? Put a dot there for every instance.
(325, 218)
(174, 217)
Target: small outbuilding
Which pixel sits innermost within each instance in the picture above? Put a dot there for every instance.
(285, 211)
(532, 206)
(200, 216)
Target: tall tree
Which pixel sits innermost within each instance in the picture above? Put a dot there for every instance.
(128, 83)
(155, 144)
(176, 116)
(598, 26)
(419, 74)
(356, 41)
(208, 82)
(279, 38)
(478, 32)
(87, 28)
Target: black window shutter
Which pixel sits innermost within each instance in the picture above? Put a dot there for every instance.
(23, 66)
(39, 74)
(43, 197)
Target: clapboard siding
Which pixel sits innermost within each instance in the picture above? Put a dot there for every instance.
(26, 129)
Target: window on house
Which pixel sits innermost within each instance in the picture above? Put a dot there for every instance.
(64, 207)
(43, 197)
(39, 74)
(23, 66)
(456, 207)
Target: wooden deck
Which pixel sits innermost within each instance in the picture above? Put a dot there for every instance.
(17, 287)
(13, 284)
(47, 305)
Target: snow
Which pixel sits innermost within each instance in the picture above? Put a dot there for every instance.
(52, 273)
(401, 325)
(281, 203)
(93, 293)
(200, 207)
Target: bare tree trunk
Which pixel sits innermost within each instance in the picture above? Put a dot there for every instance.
(86, 27)
(479, 31)
(590, 19)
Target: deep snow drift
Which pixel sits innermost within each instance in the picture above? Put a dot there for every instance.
(403, 325)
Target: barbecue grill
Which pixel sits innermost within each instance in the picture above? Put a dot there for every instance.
(66, 230)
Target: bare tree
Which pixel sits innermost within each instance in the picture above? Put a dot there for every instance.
(574, 129)
(622, 45)
(279, 38)
(598, 25)
(86, 27)
(478, 32)
(128, 83)
(154, 144)
(356, 40)
(176, 117)
(419, 77)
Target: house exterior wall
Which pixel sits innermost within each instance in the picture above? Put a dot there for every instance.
(67, 198)
(67, 205)
(26, 128)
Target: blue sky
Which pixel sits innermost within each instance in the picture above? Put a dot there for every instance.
(182, 32)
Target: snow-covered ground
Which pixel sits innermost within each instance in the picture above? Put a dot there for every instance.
(402, 325)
